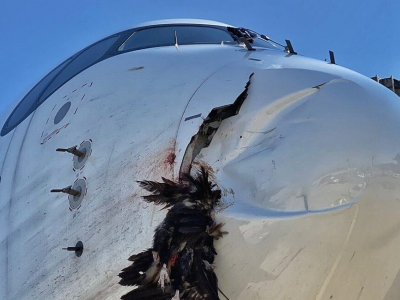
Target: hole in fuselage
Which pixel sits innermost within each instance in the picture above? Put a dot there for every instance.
(209, 127)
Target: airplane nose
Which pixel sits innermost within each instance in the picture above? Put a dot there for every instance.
(306, 147)
(310, 178)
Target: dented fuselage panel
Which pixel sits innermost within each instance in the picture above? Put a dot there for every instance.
(304, 188)
(303, 150)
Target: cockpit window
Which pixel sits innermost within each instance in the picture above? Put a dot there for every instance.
(255, 39)
(27, 105)
(182, 35)
(80, 63)
(258, 42)
(55, 79)
(135, 39)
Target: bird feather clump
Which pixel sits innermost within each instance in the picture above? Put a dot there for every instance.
(179, 264)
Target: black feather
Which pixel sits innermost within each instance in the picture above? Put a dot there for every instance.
(152, 292)
(183, 242)
(135, 273)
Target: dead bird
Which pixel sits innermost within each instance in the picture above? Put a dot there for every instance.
(179, 264)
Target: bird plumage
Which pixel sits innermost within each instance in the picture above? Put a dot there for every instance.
(183, 249)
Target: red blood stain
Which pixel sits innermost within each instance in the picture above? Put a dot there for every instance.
(170, 159)
(173, 260)
(159, 163)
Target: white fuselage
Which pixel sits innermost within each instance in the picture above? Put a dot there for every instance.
(307, 168)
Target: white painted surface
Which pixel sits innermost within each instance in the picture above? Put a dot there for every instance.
(181, 21)
(335, 145)
(311, 187)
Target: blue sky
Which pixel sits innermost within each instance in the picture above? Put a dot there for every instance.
(35, 36)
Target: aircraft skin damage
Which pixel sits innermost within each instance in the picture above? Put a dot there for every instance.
(209, 127)
(305, 153)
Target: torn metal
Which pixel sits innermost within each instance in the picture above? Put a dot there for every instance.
(209, 127)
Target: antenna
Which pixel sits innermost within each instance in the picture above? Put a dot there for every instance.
(176, 40)
(289, 47)
(332, 57)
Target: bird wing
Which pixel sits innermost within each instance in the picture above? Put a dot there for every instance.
(167, 193)
(149, 292)
(205, 284)
(135, 273)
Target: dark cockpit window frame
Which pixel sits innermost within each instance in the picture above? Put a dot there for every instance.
(81, 62)
(179, 42)
(41, 87)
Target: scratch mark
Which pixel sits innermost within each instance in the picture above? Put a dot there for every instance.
(12, 189)
(305, 202)
(156, 138)
(109, 161)
(135, 68)
(359, 294)
(352, 256)
(56, 131)
(294, 256)
(339, 257)
(100, 97)
(263, 132)
(153, 210)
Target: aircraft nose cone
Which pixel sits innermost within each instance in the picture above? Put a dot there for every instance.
(310, 178)
(306, 141)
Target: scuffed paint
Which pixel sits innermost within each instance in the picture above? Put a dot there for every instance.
(282, 162)
(136, 68)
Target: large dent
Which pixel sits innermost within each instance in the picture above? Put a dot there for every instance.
(303, 142)
(311, 173)
(220, 90)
